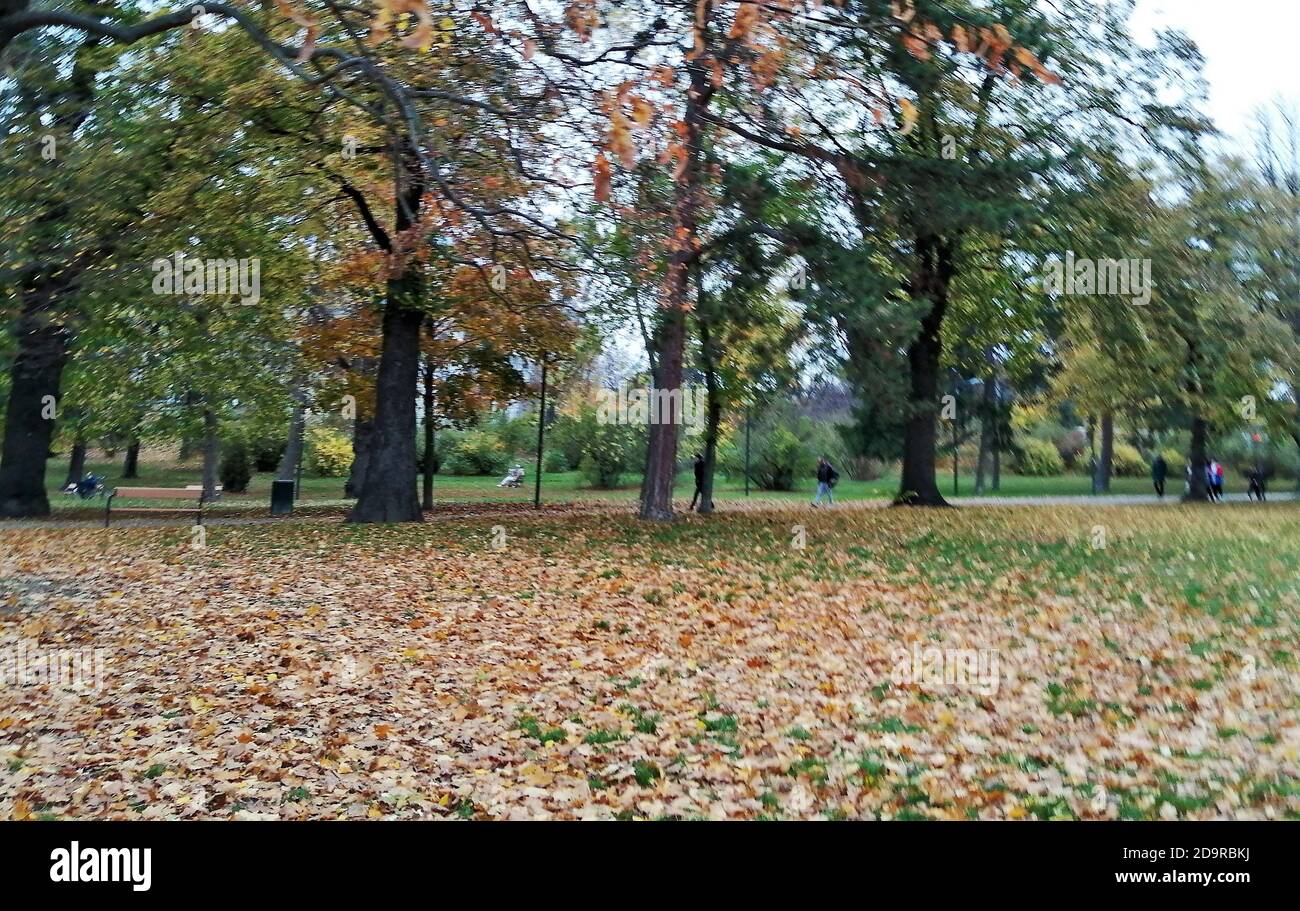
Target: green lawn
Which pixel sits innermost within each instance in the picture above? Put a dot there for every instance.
(327, 493)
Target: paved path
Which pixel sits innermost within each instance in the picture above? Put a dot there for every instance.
(487, 509)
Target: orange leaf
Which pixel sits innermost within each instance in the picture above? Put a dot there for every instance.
(601, 176)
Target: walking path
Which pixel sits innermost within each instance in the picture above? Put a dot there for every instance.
(752, 504)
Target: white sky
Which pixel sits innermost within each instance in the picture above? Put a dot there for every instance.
(1249, 48)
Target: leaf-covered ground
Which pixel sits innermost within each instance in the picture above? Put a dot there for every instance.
(582, 664)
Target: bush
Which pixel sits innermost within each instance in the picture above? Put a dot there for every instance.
(477, 452)
(863, 468)
(1072, 444)
(568, 436)
(519, 436)
(329, 453)
(235, 470)
(607, 455)
(780, 456)
(267, 454)
(1127, 462)
(575, 437)
(1038, 459)
(555, 462)
(784, 447)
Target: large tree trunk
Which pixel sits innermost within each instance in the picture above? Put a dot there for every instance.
(427, 492)
(211, 453)
(1101, 483)
(44, 286)
(387, 492)
(29, 426)
(919, 485)
(76, 462)
(661, 449)
(362, 432)
(131, 463)
(670, 333)
(292, 455)
(1198, 490)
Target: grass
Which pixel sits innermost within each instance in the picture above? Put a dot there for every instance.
(642, 662)
(563, 487)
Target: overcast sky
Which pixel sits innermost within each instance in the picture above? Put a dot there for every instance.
(1249, 47)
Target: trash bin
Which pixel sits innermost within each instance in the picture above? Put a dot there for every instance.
(281, 498)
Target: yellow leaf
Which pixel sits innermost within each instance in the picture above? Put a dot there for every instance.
(910, 114)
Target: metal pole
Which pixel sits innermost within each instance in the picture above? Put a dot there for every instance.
(541, 432)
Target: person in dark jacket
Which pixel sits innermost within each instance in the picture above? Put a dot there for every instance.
(699, 480)
(1255, 491)
(1159, 471)
(826, 478)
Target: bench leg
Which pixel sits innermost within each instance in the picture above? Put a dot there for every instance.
(108, 508)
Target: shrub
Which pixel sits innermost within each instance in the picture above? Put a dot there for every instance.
(1038, 459)
(568, 435)
(1127, 462)
(329, 453)
(518, 435)
(574, 437)
(477, 452)
(784, 447)
(607, 455)
(863, 468)
(1072, 444)
(267, 454)
(235, 470)
(555, 461)
(780, 456)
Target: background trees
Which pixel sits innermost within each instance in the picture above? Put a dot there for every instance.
(768, 198)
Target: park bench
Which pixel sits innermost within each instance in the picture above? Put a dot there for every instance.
(189, 492)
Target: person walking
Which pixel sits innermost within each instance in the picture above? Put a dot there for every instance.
(699, 480)
(826, 478)
(1159, 471)
(1218, 480)
(1256, 489)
